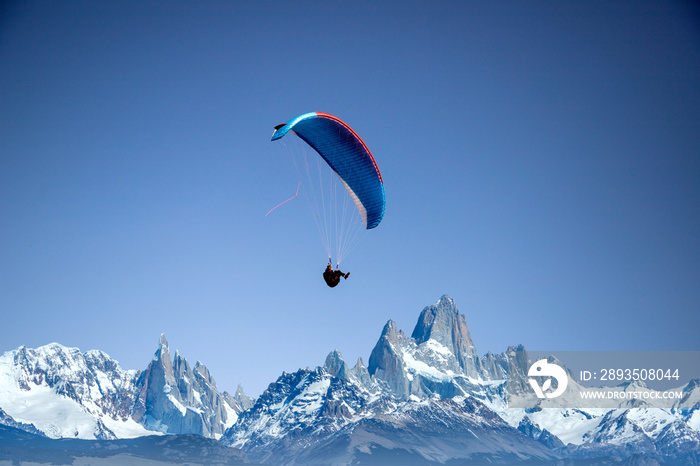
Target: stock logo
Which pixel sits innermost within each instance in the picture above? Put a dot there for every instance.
(544, 369)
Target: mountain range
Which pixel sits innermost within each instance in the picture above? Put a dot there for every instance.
(424, 399)
(64, 393)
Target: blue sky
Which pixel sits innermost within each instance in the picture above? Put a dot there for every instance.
(540, 160)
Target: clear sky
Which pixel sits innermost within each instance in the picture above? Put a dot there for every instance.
(541, 162)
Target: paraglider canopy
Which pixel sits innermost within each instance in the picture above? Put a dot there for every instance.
(348, 157)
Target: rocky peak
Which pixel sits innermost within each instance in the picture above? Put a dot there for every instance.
(443, 323)
(387, 344)
(361, 374)
(181, 367)
(391, 333)
(174, 398)
(162, 355)
(494, 367)
(434, 360)
(516, 364)
(386, 361)
(335, 365)
(240, 401)
(202, 371)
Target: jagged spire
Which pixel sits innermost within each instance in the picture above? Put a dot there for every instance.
(335, 365)
(443, 323)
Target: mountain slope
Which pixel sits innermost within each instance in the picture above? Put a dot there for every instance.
(20, 446)
(312, 417)
(65, 393)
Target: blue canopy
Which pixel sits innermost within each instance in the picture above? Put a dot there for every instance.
(348, 157)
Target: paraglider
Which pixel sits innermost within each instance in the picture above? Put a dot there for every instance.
(332, 277)
(347, 157)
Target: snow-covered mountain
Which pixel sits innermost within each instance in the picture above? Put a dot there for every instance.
(171, 397)
(65, 393)
(314, 417)
(424, 399)
(430, 399)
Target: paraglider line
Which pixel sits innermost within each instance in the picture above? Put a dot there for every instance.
(282, 203)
